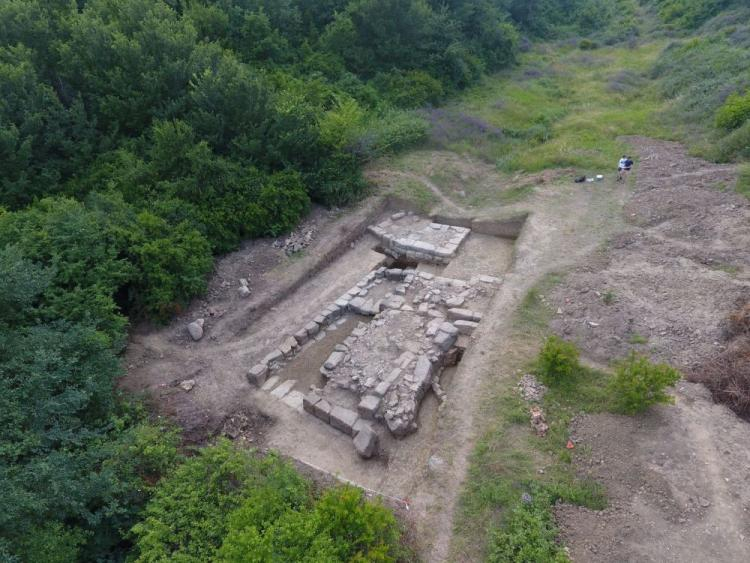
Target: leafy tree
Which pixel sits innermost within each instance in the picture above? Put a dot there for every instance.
(187, 517)
(22, 282)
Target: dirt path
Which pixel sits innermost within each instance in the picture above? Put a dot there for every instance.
(677, 477)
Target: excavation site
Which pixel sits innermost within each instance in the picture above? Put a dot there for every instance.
(346, 354)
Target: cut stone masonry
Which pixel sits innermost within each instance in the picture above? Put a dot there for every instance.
(383, 368)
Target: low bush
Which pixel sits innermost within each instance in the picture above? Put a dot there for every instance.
(411, 89)
(558, 361)
(587, 45)
(735, 145)
(734, 112)
(528, 536)
(743, 181)
(638, 384)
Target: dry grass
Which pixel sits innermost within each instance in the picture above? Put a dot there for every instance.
(727, 375)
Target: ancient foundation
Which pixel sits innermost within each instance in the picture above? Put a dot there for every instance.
(412, 324)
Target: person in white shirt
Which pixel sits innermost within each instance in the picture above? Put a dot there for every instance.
(625, 164)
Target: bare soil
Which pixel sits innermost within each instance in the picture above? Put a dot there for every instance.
(661, 261)
(678, 476)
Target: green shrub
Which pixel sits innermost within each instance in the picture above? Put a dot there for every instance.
(186, 520)
(588, 45)
(743, 181)
(529, 534)
(558, 361)
(734, 112)
(734, 146)
(272, 525)
(412, 89)
(228, 505)
(638, 384)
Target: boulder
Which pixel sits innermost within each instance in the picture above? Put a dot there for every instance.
(443, 340)
(187, 385)
(366, 443)
(243, 291)
(449, 328)
(196, 329)
(334, 360)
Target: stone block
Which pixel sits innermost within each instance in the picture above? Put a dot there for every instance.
(270, 383)
(289, 347)
(273, 357)
(368, 406)
(343, 419)
(322, 411)
(309, 402)
(361, 307)
(423, 369)
(343, 302)
(455, 314)
(394, 274)
(321, 320)
(490, 279)
(294, 400)
(381, 389)
(366, 443)
(281, 391)
(301, 337)
(334, 360)
(454, 302)
(257, 374)
(397, 216)
(425, 247)
(465, 327)
(362, 425)
(393, 302)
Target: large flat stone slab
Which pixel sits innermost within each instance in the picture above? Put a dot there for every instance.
(283, 388)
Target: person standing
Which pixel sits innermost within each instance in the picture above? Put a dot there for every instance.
(625, 164)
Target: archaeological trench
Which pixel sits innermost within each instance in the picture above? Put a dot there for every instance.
(393, 335)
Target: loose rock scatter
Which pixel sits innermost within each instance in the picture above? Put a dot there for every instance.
(531, 389)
